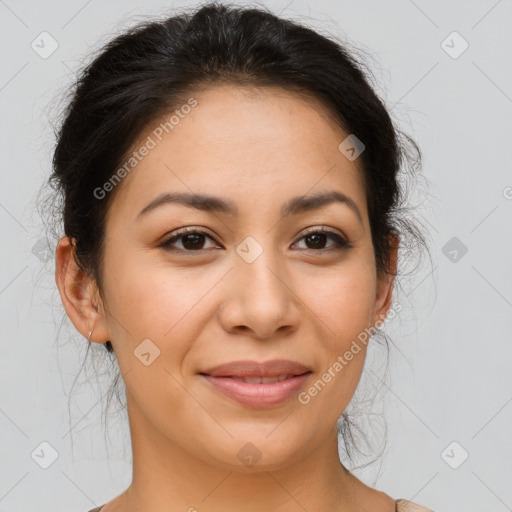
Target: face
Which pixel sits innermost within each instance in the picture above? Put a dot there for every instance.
(245, 283)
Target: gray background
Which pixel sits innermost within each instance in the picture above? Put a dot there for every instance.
(449, 379)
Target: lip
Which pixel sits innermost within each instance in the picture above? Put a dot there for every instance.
(272, 368)
(223, 378)
(258, 395)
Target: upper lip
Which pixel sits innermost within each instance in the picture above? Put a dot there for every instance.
(274, 368)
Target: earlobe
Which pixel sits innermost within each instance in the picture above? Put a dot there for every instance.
(79, 294)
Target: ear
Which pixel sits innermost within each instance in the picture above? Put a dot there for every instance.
(79, 294)
(384, 294)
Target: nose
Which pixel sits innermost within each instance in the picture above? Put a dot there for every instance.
(260, 299)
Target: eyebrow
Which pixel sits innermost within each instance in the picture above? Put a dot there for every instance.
(208, 203)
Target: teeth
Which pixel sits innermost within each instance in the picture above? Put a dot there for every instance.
(262, 380)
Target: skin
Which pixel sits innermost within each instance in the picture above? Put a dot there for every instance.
(296, 301)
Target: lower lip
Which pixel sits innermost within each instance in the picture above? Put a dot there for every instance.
(258, 395)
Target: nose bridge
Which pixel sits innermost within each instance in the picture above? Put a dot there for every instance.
(256, 266)
(259, 296)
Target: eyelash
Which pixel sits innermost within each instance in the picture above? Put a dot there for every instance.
(341, 243)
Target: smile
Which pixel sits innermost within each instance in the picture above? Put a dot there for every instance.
(258, 392)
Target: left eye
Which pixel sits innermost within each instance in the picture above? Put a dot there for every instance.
(193, 240)
(319, 236)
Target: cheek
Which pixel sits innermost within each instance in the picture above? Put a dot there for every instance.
(147, 301)
(343, 300)
(344, 303)
(147, 297)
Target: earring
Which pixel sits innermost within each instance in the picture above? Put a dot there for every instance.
(89, 337)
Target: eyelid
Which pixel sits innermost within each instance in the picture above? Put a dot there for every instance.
(181, 232)
(321, 229)
(341, 241)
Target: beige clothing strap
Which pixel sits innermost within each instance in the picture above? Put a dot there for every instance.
(409, 506)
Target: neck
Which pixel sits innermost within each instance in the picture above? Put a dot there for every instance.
(167, 475)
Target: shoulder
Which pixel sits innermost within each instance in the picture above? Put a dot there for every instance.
(408, 506)
(401, 506)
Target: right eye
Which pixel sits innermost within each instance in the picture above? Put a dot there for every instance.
(191, 240)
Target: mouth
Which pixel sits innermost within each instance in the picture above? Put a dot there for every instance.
(257, 384)
(276, 368)
(257, 379)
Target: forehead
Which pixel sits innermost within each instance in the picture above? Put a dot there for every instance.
(234, 140)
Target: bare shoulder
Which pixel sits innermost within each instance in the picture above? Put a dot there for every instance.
(408, 506)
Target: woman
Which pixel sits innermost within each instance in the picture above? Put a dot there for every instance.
(231, 229)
